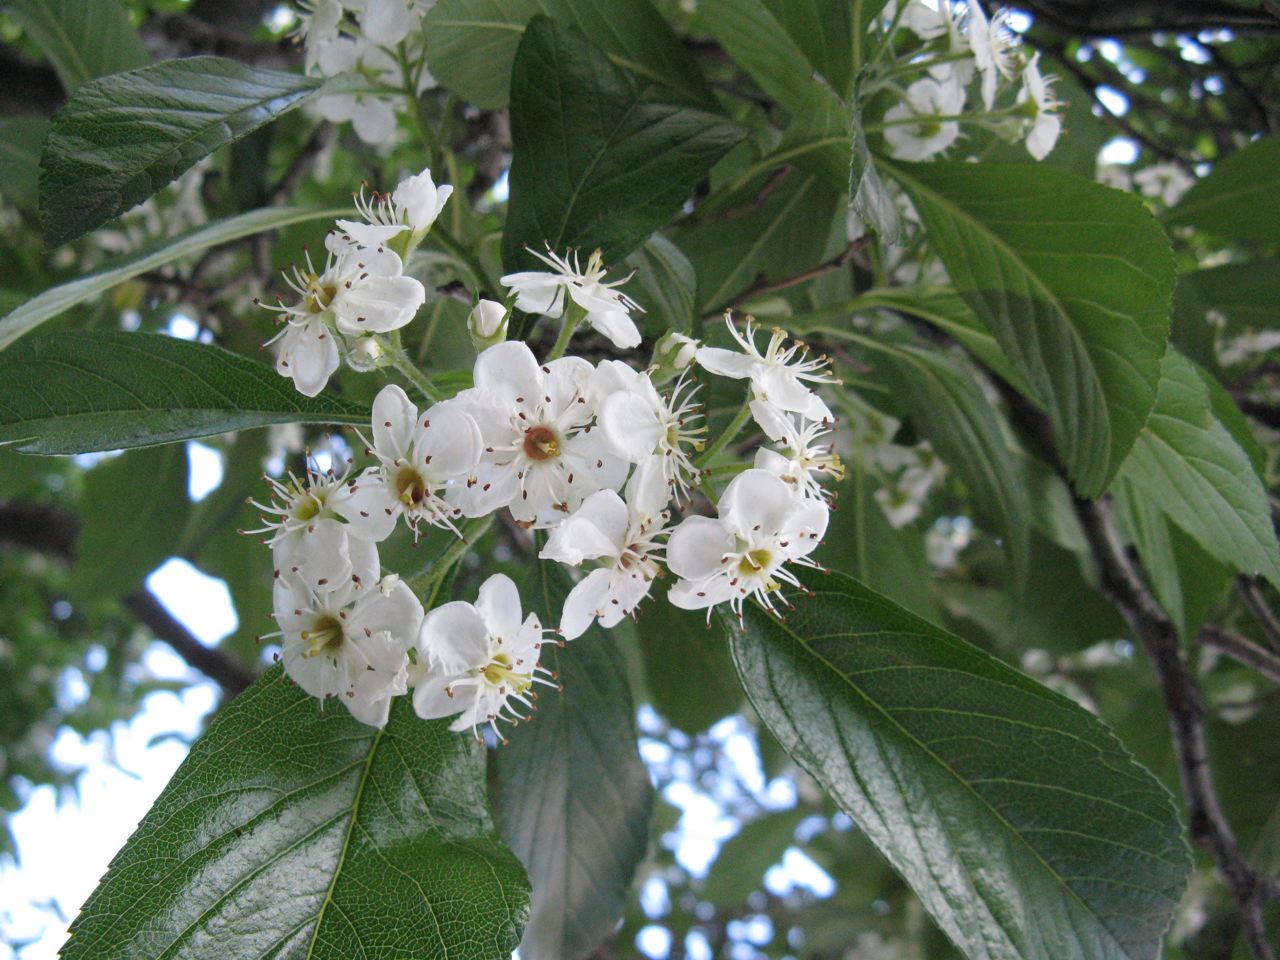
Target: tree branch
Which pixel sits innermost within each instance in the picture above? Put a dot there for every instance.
(1242, 650)
(1251, 593)
(762, 287)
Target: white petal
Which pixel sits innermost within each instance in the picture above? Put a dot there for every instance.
(454, 637)
(584, 602)
(499, 605)
(386, 22)
(371, 507)
(309, 355)
(631, 426)
(769, 418)
(378, 304)
(431, 700)
(374, 119)
(726, 363)
(394, 419)
(370, 234)
(398, 613)
(508, 370)
(697, 546)
(595, 530)
(648, 492)
(537, 292)
(756, 504)
(452, 441)
(700, 594)
(566, 380)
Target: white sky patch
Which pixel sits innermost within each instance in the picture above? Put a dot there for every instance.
(1115, 101)
(201, 603)
(798, 870)
(1120, 150)
(205, 474)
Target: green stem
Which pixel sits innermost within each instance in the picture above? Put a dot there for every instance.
(447, 240)
(573, 315)
(406, 366)
(433, 578)
(730, 432)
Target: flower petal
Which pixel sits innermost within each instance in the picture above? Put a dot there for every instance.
(499, 606)
(697, 546)
(584, 603)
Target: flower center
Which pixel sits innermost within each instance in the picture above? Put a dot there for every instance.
(411, 487)
(319, 295)
(754, 561)
(501, 672)
(541, 443)
(325, 636)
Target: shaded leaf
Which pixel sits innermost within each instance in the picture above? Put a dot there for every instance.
(20, 141)
(667, 285)
(83, 39)
(1240, 199)
(600, 158)
(120, 139)
(575, 798)
(1019, 820)
(77, 392)
(65, 296)
(1075, 282)
(292, 829)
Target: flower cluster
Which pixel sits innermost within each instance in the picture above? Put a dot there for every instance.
(949, 55)
(598, 455)
(374, 38)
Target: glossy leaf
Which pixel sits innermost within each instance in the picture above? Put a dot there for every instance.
(575, 798)
(1019, 820)
(65, 296)
(472, 43)
(294, 830)
(1189, 464)
(83, 39)
(77, 392)
(1075, 282)
(120, 139)
(1240, 199)
(601, 158)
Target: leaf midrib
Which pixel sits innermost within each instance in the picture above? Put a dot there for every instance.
(942, 764)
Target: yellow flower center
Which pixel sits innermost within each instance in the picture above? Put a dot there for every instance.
(325, 636)
(500, 671)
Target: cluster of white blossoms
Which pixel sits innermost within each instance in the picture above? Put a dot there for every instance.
(598, 455)
(951, 53)
(379, 39)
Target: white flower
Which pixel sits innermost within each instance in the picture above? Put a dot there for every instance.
(541, 456)
(903, 499)
(476, 660)
(1045, 124)
(992, 43)
(763, 525)
(778, 375)
(349, 639)
(621, 537)
(413, 206)
(638, 422)
(673, 354)
(387, 22)
(607, 310)
(799, 459)
(317, 26)
(926, 134)
(487, 323)
(419, 458)
(1165, 181)
(307, 352)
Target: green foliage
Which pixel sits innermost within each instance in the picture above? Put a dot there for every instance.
(1088, 342)
(574, 797)
(295, 829)
(1240, 200)
(118, 141)
(146, 389)
(1018, 818)
(20, 142)
(600, 159)
(84, 39)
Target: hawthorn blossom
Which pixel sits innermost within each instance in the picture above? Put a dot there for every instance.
(607, 310)
(1045, 123)
(1166, 182)
(799, 459)
(778, 375)
(307, 352)
(622, 538)
(638, 422)
(479, 661)
(419, 457)
(992, 43)
(915, 129)
(413, 206)
(348, 639)
(541, 457)
(487, 323)
(372, 115)
(762, 526)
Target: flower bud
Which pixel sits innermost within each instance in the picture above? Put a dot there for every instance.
(673, 354)
(366, 354)
(487, 324)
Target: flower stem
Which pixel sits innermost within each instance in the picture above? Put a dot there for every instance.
(419, 379)
(428, 583)
(573, 315)
(468, 259)
(730, 432)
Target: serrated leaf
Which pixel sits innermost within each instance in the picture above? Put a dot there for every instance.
(667, 285)
(574, 795)
(1075, 282)
(54, 301)
(83, 39)
(120, 139)
(1240, 199)
(1023, 825)
(1191, 466)
(78, 392)
(294, 830)
(600, 158)
(133, 510)
(472, 43)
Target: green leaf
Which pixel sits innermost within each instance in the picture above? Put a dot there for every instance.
(667, 285)
(133, 511)
(574, 795)
(1189, 463)
(292, 829)
(869, 198)
(1074, 280)
(120, 139)
(53, 301)
(949, 408)
(83, 39)
(472, 43)
(20, 142)
(823, 29)
(77, 392)
(1019, 820)
(600, 159)
(1240, 199)
(1239, 296)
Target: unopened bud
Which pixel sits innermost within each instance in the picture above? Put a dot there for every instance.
(487, 324)
(673, 354)
(366, 354)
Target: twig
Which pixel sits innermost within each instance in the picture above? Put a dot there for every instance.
(217, 666)
(762, 287)
(1242, 650)
(1251, 593)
